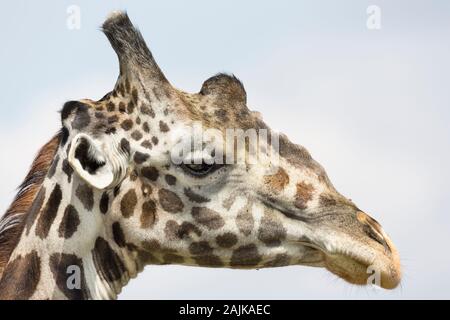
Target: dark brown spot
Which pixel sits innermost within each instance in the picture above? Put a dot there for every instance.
(85, 194)
(118, 234)
(280, 260)
(113, 119)
(226, 240)
(67, 270)
(200, 248)
(136, 135)
(67, 168)
(128, 203)
(163, 127)
(303, 195)
(170, 179)
(145, 127)
(69, 223)
(147, 110)
(150, 173)
(194, 197)
(245, 256)
(169, 201)
(171, 230)
(134, 95)
(104, 203)
(155, 140)
(125, 145)
(122, 107)
(140, 157)
(130, 107)
(148, 216)
(21, 277)
(106, 261)
(48, 215)
(271, 232)
(207, 217)
(110, 107)
(127, 124)
(146, 144)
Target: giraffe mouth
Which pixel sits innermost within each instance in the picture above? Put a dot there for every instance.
(354, 261)
(361, 265)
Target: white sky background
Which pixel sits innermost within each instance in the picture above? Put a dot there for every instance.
(372, 106)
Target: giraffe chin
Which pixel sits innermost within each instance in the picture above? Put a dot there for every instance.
(366, 266)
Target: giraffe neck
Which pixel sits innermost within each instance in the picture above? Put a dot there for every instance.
(68, 248)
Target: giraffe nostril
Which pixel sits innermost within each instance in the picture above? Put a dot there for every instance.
(376, 236)
(372, 229)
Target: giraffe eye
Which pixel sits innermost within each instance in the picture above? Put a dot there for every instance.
(201, 169)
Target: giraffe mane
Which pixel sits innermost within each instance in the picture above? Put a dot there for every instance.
(12, 222)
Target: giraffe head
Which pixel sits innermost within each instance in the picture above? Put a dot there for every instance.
(150, 174)
(200, 205)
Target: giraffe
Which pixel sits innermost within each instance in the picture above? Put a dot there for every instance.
(105, 197)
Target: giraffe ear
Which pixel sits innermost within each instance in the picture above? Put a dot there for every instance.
(89, 160)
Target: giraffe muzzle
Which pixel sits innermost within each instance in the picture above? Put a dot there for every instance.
(366, 258)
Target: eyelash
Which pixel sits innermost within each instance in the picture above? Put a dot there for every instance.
(204, 169)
